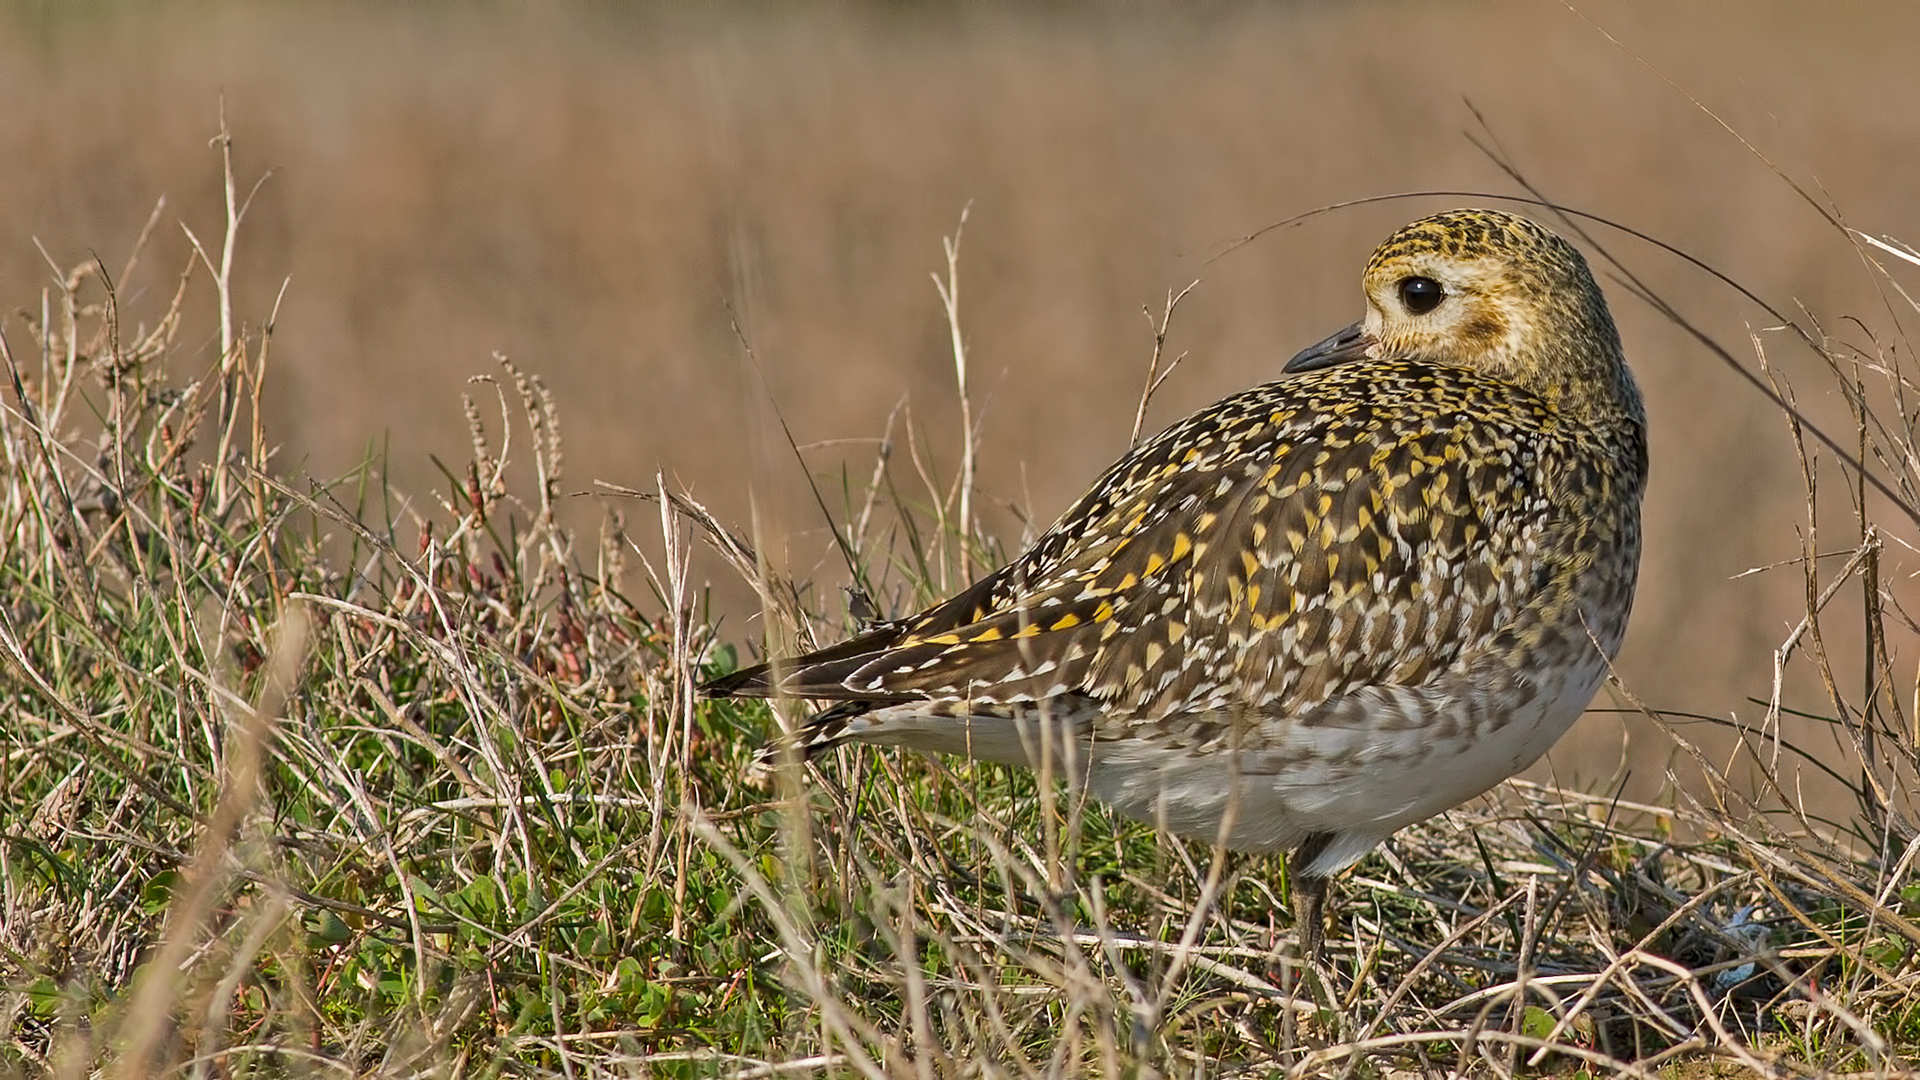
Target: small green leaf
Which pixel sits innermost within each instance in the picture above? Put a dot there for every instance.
(158, 892)
(1536, 1022)
(328, 927)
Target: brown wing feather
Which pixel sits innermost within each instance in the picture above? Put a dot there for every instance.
(1219, 563)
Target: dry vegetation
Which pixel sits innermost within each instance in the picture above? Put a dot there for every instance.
(314, 779)
(600, 190)
(334, 778)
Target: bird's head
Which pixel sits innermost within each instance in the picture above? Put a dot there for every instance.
(1486, 290)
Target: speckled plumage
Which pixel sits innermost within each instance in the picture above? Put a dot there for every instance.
(1323, 608)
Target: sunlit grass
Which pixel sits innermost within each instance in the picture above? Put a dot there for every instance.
(317, 778)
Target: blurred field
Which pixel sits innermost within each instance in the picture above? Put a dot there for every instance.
(598, 191)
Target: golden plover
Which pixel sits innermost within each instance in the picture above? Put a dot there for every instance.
(1320, 609)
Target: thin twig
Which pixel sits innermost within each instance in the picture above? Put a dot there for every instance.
(949, 289)
(1154, 375)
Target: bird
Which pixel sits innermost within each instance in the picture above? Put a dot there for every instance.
(1318, 610)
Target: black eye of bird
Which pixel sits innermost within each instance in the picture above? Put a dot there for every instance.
(1421, 294)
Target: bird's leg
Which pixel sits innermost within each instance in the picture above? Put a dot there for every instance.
(1308, 892)
(1309, 895)
(1309, 915)
(1303, 977)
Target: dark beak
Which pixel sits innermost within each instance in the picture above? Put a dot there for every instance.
(1351, 343)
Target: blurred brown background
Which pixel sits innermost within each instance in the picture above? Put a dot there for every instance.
(598, 190)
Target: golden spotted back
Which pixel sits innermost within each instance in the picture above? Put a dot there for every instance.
(1426, 543)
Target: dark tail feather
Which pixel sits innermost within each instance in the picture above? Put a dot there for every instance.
(749, 682)
(823, 731)
(799, 675)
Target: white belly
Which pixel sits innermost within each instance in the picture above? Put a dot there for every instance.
(1381, 759)
(1357, 783)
